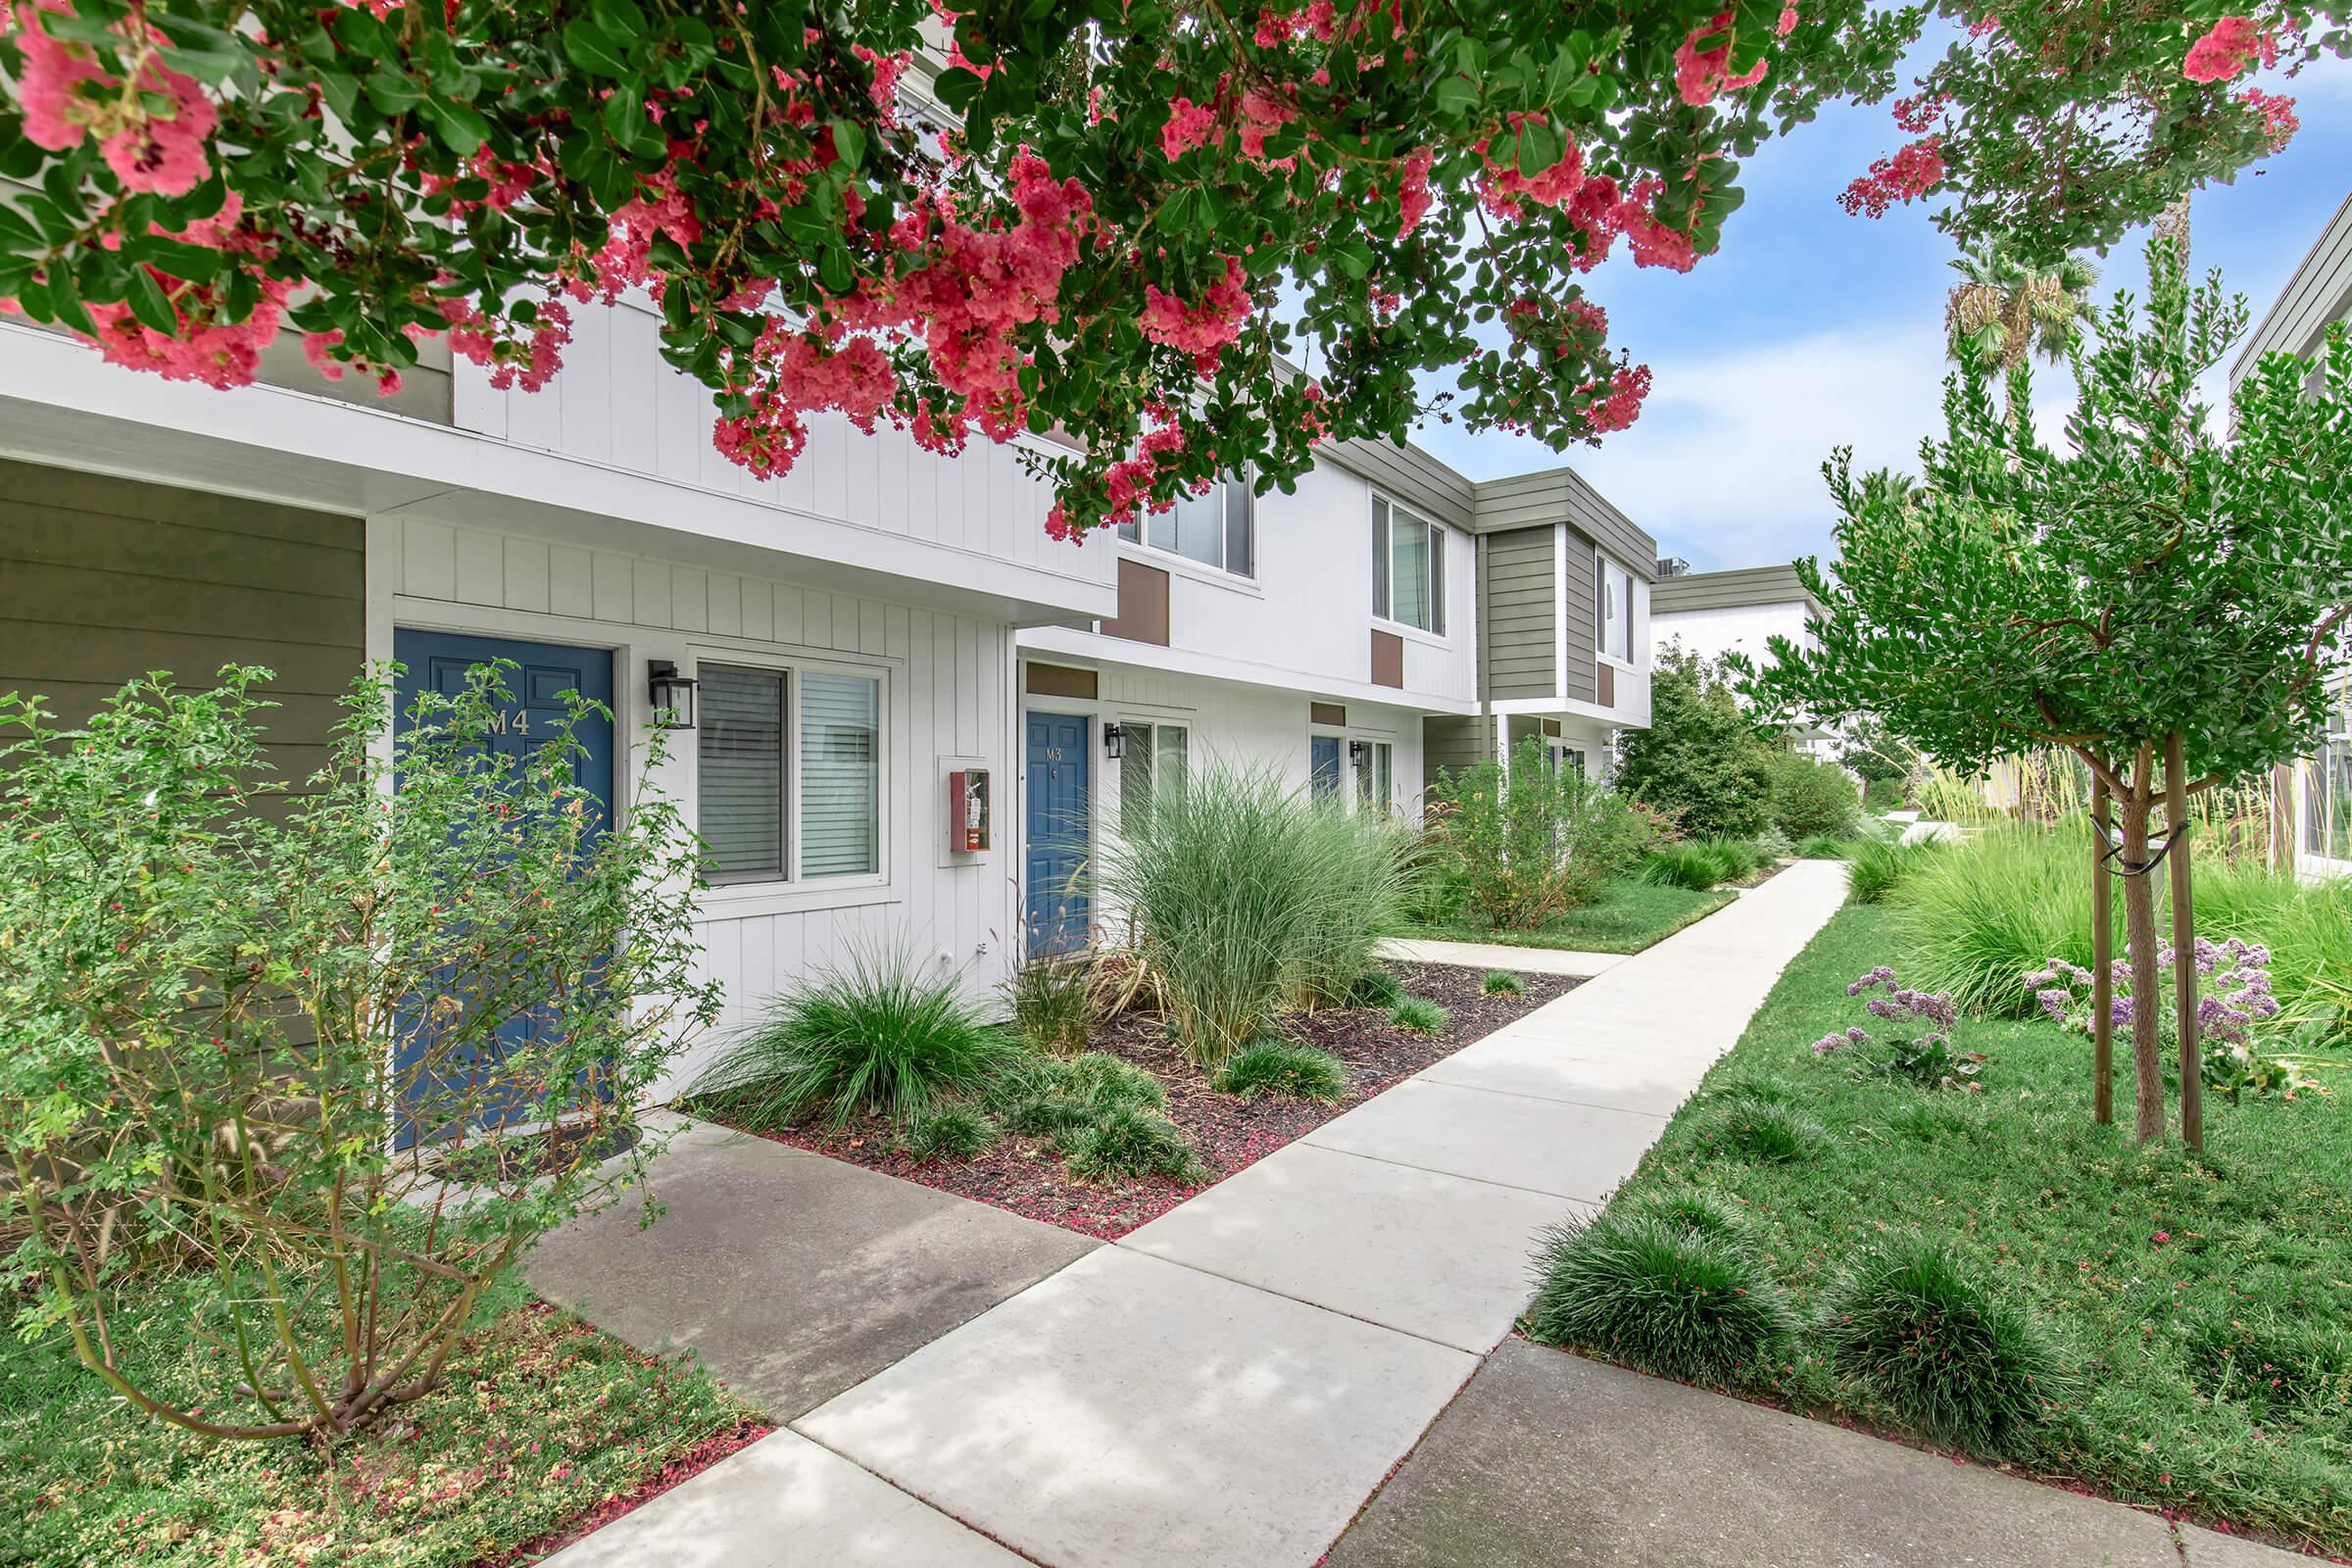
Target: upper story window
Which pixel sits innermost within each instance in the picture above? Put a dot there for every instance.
(775, 806)
(1215, 529)
(1614, 615)
(1409, 567)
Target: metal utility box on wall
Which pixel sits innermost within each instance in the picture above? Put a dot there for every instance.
(967, 810)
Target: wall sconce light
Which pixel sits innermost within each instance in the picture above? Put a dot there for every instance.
(1113, 741)
(669, 695)
(1360, 752)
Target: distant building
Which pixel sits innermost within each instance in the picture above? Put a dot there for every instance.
(1716, 612)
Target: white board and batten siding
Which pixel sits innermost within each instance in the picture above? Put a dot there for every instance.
(618, 403)
(947, 683)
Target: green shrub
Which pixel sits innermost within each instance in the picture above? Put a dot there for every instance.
(1283, 1069)
(1660, 1290)
(1047, 1097)
(1129, 1141)
(1876, 867)
(947, 1132)
(1701, 863)
(1766, 1134)
(1812, 796)
(1948, 1353)
(1701, 758)
(1825, 847)
(878, 1035)
(1374, 987)
(1420, 1015)
(1527, 847)
(1699, 1211)
(1244, 892)
(1501, 983)
(1883, 795)
(1773, 845)
(1053, 1002)
(1110, 1081)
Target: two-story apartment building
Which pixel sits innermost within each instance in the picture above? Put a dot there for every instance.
(2312, 830)
(871, 635)
(1712, 613)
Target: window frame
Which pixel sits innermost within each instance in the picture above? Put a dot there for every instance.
(1603, 565)
(725, 888)
(1127, 728)
(1385, 511)
(1227, 488)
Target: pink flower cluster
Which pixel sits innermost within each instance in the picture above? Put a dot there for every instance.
(1911, 172)
(1594, 203)
(1413, 199)
(1917, 114)
(1700, 74)
(2233, 44)
(315, 347)
(529, 364)
(67, 95)
(1275, 28)
(1189, 125)
(1203, 330)
(1127, 483)
(1628, 386)
(204, 348)
(2277, 112)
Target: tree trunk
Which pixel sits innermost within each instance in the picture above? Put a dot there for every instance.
(2102, 960)
(2140, 936)
(2184, 940)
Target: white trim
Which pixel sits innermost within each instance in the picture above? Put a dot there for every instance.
(1062, 645)
(1446, 531)
(1186, 567)
(1559, 605)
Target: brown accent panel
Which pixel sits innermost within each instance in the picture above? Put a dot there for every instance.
(1143, 616)
(1604, 682)
(1388, 660)
(1552, 727)
(1062, 680)
(1330, 716)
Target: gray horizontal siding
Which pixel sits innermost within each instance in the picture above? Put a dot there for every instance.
(1583, 606)
(105, 579)
(1450, 745)
(2318, 293)
(1520, 617)
(1562, 494)
(1729, 590)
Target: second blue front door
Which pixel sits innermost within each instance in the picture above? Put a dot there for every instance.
(1057, 833)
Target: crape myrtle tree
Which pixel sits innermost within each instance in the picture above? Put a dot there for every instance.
(2159, 598)
(1095, 242)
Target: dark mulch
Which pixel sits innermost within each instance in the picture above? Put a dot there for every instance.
(1025, 1176)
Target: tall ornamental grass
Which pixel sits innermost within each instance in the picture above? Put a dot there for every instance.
(1246, 894)
(1979, 916)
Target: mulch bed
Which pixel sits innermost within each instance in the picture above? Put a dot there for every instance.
(1025, 1176)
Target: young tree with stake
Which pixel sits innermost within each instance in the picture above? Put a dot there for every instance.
(2159, 599)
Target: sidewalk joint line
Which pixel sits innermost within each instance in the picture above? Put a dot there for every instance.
(1407, 1165)
(1515, 1093)
(1320, 1307)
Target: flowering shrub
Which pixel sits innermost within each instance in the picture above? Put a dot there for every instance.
(1522, 851)
(1924, 1058)
(253, 1033)
(2233, 997)
(1095, 246)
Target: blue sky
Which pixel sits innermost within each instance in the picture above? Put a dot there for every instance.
(1810, 329)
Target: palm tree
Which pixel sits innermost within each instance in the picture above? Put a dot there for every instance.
(2006, 308)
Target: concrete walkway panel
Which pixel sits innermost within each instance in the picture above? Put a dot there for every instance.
(784, 1502)
(1133, 1413)
(1583, 1072)
(1547, 1145)
(791, 1275)
(1430, 1254)
(1499, 956)
(1548, 1460)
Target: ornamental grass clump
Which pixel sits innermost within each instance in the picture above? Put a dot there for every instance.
(249, 1023)
(1943, 1351)
(949, 1132)
(1130, 1141)
(877, 1036)
(1420, 1015)
(1247, 895)
(1500, 983)
(1876, 867)
(1053, 1002)
(1765, 1134)
(1283, 1069)
(1375, 987)
(1672, 1288)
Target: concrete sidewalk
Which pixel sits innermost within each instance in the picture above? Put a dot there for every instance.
(1499, 956)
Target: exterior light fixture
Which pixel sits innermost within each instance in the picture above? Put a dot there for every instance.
(669, 695)
(1113, 741)
(1360, 752)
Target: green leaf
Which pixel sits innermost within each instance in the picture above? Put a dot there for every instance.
(1540, 147)
(19, 159)
(194, 263)
(833, 268)
(16, 232)
(619, 18)
(628, 123)
(1457, 95)
(849, 140)
(460, 126)
(593, 50)
(957, 87)
(65, 303)
(147, 302)
(391, 92)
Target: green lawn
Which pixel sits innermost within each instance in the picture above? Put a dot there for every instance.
(1627, 917)
(541, 1419)
(2204, 1302)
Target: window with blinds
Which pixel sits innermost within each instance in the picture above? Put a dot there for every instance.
(841, 774)
(739, 734)
(1216, 529)
(1408, 569)
(748, 794)
(1152, 762)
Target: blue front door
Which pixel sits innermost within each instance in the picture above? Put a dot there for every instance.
(1323, 767)
(439, 661)
(1060, 911)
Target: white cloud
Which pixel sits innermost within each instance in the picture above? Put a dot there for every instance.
(1724, 466)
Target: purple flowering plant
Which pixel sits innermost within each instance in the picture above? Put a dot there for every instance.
(2234, 998)
(1923, 1055)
